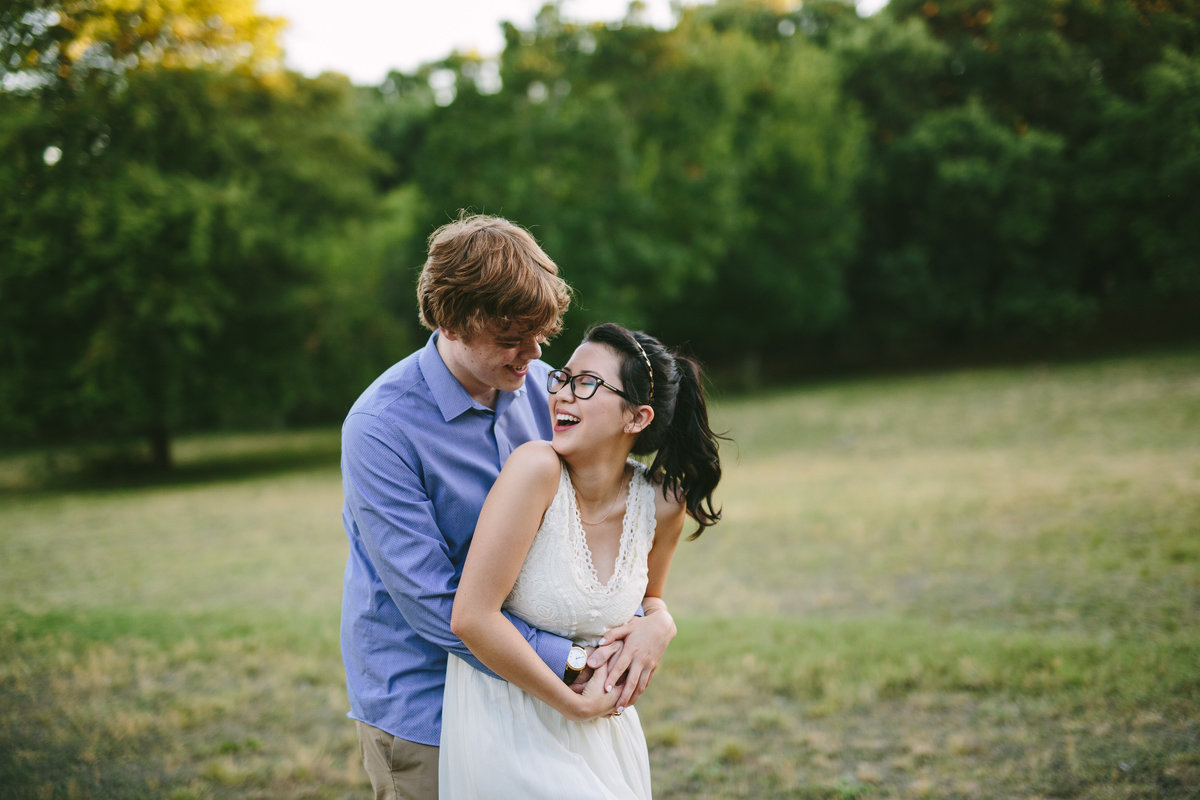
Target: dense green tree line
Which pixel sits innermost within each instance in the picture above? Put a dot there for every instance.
(1036, 183)
(771, 178)
(192, 238)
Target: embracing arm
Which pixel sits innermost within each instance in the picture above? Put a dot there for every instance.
(399, 533)
(507, 525)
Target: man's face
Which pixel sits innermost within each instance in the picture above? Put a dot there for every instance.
(496, 358)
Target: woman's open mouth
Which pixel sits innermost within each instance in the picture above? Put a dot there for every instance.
(564, 421)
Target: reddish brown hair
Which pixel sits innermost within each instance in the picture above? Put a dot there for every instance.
(484, 271)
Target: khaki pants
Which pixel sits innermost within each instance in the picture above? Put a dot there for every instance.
(398, 769)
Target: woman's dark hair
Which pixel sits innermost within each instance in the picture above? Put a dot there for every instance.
(683, 444)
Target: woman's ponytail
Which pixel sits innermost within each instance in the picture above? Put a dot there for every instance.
(687, 457)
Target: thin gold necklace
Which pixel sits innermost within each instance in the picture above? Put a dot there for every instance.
(612, 504)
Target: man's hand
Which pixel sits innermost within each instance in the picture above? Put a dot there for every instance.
(645, 640)
(595, 700)
(606, 654)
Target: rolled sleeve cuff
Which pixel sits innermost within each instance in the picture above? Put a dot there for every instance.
(553, 650)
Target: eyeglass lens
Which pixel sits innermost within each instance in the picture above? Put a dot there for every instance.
(583, 385)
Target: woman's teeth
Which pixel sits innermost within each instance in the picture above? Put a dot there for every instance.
(566, 419)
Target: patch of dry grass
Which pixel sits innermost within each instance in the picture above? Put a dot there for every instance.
(175, 707)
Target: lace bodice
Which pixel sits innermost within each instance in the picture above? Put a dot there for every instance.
(558, 589)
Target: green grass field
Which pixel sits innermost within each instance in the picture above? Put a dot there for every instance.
(978, 584)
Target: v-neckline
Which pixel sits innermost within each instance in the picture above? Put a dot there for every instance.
(586, 548)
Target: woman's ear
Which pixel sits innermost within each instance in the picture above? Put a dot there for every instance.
(642, 416)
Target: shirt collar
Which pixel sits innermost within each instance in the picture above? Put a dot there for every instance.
(452, 399)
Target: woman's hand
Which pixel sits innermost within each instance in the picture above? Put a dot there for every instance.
(645, 640)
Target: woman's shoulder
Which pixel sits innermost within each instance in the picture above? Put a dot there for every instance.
(668, 504)
(536, 460)
(532, 472)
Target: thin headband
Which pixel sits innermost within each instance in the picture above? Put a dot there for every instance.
(645, 358)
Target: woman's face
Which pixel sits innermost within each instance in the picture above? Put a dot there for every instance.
(599, 420)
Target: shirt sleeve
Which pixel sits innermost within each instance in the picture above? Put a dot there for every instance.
(400, 534)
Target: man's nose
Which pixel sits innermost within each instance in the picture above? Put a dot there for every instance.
(531, 348)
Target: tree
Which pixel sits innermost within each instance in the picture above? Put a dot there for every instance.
(158, 275)
(974, 202)
(692, 179)
(796, 147)
(1020, 163)
(47, 42)
(1135, 188)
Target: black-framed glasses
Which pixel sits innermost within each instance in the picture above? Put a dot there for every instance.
(583, 385)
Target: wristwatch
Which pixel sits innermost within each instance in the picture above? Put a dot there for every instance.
(576, 661)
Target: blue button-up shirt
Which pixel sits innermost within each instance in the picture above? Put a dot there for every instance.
(418, 458)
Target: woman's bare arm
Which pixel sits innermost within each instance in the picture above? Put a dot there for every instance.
(510, 518)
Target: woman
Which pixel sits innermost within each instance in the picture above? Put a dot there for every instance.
(552, 548)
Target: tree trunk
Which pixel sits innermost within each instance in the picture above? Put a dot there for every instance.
(160, 448)
(752, 370)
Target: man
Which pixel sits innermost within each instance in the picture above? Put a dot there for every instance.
(420, 449)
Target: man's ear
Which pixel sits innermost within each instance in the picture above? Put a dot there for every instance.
(642, 417)
(449, 335)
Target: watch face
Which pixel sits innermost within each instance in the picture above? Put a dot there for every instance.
(577, 658)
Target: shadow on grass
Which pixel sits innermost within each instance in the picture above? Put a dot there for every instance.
(209, 460)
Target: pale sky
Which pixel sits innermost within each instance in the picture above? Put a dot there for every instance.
(364, 39)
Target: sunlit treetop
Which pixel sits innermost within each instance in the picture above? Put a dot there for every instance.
(47, 41)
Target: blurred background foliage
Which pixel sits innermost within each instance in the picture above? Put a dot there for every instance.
(193, 238)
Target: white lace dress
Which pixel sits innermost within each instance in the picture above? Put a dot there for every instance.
(499, 742)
